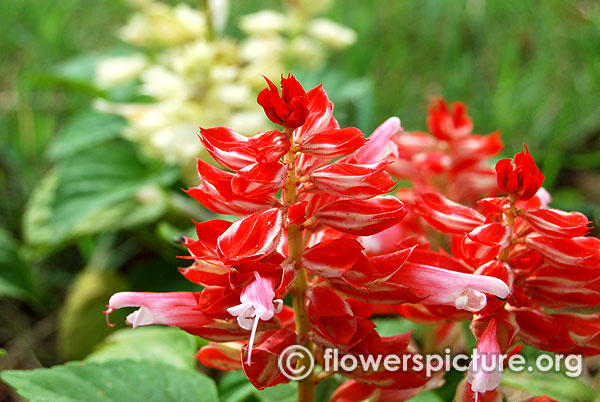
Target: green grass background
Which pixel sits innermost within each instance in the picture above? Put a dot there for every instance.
(530, 69)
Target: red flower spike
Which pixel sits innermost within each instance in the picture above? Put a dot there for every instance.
(448, 124)
(353, 180)
(251, 238)
(362, 217)
(289, 110)
(557, 223)
(332, 144)
(519, 176)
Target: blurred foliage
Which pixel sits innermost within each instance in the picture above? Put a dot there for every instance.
(80, 203)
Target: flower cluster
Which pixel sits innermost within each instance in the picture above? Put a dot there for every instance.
(307, 197)
(450, 160)
(541, 253)
(194, 73)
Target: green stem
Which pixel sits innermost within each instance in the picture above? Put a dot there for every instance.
(295, 247)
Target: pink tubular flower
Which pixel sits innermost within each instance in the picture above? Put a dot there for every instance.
(256, 304)
(485, 370)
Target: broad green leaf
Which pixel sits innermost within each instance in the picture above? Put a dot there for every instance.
(113, 381)
(164, 345)
(428, 396)
(287, 392)
(555, 385)
(16, 279)
(104, 188)
(86, 130)
(235, 387)
(81, 324)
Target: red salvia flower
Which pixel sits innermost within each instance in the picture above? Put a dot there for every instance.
(519, 176)
(289, 109)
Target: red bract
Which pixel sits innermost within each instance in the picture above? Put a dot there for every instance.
(235, 151)
(446, 215)
(362, 217)
(583, 252)
(333, 143)
(448, 124)
(291, 108)
(557, 223)
(519, 176)
(353, 180)
(250, 238)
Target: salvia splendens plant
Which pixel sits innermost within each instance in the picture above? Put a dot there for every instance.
(318, 219)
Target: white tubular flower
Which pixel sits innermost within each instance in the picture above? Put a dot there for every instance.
(161, 83)
(265, 22)
(115, 71)
(308, 50)
(233, 94)
(192, 59)
(248, 122)
(160, 24)
(331, 34)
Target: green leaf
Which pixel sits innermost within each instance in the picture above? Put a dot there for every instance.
(104, 188)
(556, 386)
(428, 396)
(86, 130)
(164, 345)
(287, 392)
(396, 326)
(113, 381)
(16, 279)
(81, 324)
(235, 387)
